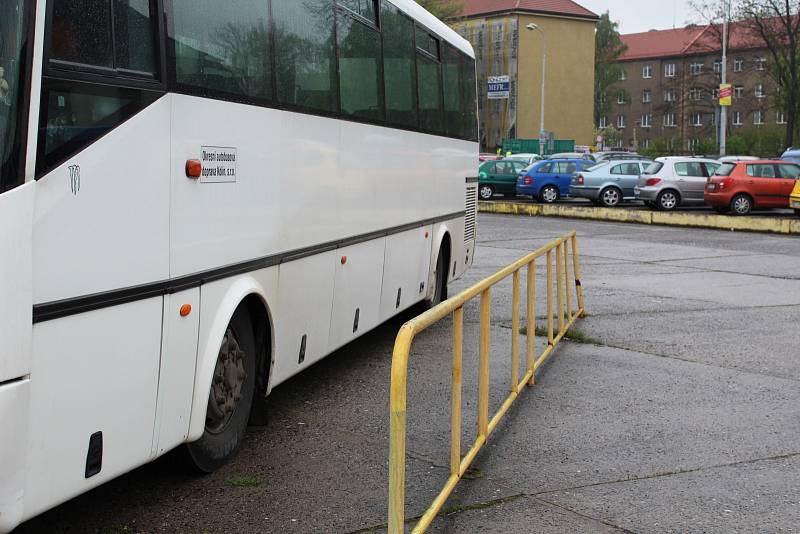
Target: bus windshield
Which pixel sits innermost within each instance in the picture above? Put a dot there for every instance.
(12, 42)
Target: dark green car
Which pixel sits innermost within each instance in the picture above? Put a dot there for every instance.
(499, 177)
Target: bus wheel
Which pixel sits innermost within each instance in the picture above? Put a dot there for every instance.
(440, 292)
(231, 396)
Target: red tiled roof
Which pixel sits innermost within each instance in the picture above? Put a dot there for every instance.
(555, 7)
(686, 41)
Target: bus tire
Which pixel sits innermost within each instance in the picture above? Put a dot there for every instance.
(440, 289)
(230, 398)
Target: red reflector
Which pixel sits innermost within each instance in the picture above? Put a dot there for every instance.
(653, 181)
(528, 180)
(193, 168)
(725, 182)
(580, 179)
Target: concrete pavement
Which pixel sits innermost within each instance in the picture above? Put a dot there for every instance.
(678, 414)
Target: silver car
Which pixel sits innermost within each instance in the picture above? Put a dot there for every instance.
(675, 181)
(610, 182)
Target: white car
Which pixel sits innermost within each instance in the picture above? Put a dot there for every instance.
(528, 159)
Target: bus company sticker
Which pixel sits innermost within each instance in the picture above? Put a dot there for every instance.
(219, 164)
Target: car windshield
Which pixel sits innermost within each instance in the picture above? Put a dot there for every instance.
(653, 167)
(597, 166)
(12, 42)
(725, 169)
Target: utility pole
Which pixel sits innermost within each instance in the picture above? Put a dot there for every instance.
(542, 132)
(723, 112)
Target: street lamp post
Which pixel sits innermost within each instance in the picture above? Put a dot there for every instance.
(723, 112)
(542, 131)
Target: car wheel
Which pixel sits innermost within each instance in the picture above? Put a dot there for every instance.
(230, 398)
(668, 200)
(486, 192)
(548, 194)
(722, 210)
(741, 205)
(610, 197)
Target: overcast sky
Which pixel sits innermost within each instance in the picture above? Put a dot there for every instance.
(643, 15)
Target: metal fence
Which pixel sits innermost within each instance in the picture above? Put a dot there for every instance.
(562, 250)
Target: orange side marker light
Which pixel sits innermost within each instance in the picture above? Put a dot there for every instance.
(186, 309)
(193, 168)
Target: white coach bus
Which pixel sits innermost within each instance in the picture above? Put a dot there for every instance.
(198, 200)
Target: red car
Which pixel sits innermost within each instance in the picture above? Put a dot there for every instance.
(740, 187)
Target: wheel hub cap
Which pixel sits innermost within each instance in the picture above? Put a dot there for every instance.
(227, 383)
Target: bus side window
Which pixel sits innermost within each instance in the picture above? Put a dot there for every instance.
(399, 70)
(429, 82)
(224, 50)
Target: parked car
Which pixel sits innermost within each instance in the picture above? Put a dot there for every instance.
(488, 157)
(675, 181)
(792, 154)
(572, 155)
(610, 182)
(498, 177)
(550, 179)
(607, 156)
(794, 199)
(528, 159)
(744, 186)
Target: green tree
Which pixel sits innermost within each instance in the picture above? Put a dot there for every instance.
(608, 49)
(443, 8)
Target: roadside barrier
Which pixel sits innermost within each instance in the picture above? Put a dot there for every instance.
(562, 250)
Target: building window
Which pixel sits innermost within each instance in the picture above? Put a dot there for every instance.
(669, 120)
(621, 121)
(647, 120)
(780, 117)
(758, 117)
(760, 91)
(718, 66)
(737, 118)
(647, 71)
(623, 75)
(760, 63)
(715, 94)
(691, 144)
(695, 93)
(696, 119)
(670, 95)
(738, 91)
(696, 68)
(738, 65)
(670, 70)
(647, 96)
(621, 97)
(603, 123)
(647, 143)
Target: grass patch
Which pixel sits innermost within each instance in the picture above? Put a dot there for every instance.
(244, 482)
(573, 334)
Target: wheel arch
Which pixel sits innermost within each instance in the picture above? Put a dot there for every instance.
(245, 291)
(443, 239)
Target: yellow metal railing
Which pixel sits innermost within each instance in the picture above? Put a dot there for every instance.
(566, 317)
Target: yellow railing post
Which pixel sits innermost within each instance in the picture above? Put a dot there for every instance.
(560, 286)
(550, 337)
(576, 262)
(455, 306)
(515, 334)
(455, 406)
(567, 281)
(531, 316)
(483, 371)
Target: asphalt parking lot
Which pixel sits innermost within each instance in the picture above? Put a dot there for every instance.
(677, 412)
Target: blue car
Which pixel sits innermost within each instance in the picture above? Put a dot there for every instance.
(549, 180)
(792, 154)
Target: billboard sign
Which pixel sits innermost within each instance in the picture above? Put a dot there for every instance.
(725, 94)
(499, 87)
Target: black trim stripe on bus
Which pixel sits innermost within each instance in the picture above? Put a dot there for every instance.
(472, 179)
(63, 308)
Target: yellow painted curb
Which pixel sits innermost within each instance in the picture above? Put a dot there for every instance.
(690, 220)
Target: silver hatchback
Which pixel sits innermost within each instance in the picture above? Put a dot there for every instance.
(675, 181)
(609, 182)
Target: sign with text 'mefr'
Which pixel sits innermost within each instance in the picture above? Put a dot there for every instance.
(499, 87)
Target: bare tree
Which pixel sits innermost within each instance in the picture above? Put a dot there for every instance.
(443, 8)
(777, 24)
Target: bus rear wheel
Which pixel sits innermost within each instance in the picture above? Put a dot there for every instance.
(440, 277)
(231, 396)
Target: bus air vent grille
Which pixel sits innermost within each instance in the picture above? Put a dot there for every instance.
(471, 213)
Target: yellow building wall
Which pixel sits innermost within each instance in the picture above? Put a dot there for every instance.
(569, 84)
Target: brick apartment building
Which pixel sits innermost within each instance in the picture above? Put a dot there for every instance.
(671, 83)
